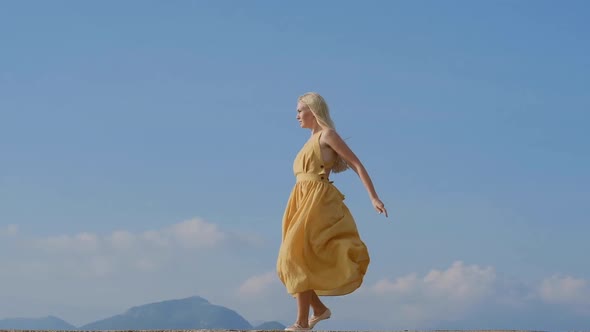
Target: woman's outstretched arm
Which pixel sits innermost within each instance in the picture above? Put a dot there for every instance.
(334, 140)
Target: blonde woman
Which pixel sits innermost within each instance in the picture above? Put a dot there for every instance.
(321, 252)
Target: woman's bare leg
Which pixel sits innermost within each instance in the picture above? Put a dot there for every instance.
(303, 302)
(318, 306)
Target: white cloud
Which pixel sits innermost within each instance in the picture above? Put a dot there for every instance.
(459, 282)
(195, 233)
(122, 240)
(9, 230)
(400, 285)
(82, 242)
(440, 294)
(566, 290)
(93, 255)
(155, 238)
(256, 285)
(190, 234)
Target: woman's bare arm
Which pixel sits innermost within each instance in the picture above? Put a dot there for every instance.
(334, 140)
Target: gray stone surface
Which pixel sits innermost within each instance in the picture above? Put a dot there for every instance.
(268, 330)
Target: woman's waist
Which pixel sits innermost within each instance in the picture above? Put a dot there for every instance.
(311, 177)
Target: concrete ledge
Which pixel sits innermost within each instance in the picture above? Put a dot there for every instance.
(204, 330)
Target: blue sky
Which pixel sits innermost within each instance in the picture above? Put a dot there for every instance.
(146, 151)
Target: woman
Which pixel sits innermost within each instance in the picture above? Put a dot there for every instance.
(321, 252)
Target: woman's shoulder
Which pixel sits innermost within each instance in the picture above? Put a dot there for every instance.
(330, 137)
(329, 133)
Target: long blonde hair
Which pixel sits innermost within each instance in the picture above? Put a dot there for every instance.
(320, 110)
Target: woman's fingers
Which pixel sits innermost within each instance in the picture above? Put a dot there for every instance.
(380, 207)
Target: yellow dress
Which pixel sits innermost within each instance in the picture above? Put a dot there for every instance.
(321, 249)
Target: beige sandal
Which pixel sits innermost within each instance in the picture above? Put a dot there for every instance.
(315, 319)
(297, 327)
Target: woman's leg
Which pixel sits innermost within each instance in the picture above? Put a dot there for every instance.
(303, 302)
(318, 306)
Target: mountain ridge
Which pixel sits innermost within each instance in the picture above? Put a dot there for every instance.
(47, 322)
(192, 312)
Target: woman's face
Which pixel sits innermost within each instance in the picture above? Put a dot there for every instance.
(305, 116)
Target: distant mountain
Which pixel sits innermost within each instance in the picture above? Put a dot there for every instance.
(45, 323)
(190, 313)
(270, 326)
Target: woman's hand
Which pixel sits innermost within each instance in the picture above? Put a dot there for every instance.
(379, 206)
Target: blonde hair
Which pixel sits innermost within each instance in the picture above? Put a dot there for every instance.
(320, 110)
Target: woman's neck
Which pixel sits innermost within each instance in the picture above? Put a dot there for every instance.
(316, 129)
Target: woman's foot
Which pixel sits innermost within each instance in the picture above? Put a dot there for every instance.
(297, 327)
(315, 319)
